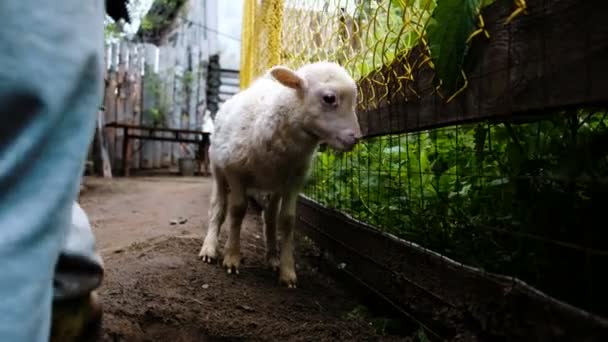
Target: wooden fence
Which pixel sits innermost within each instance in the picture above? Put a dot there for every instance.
(122, 98)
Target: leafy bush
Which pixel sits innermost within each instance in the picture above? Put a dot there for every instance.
(507, 198)
(159, 111)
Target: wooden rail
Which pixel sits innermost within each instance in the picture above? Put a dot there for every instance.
(445, 297)
(201, 139)
(552, 57)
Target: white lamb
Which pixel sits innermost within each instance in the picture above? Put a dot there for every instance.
(265, 138)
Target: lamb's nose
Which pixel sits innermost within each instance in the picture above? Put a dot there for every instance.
(351, 138)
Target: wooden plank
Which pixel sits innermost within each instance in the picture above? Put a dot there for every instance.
(120, 115)
(135, 99)
(148, 97)
(130, 86)
(550, 58)
(125, 152)
(152, 128)
(106, 166)
(110, 111)
(157, 154)
(166, 151)
(163, 138)
(446, 297)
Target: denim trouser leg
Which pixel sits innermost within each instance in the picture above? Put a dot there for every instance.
(51, 62)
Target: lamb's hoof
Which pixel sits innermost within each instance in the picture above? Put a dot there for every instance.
(288, 279)
(231, 263)
(273, 262)
(207, 253)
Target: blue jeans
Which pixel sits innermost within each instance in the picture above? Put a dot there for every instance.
(51, 64)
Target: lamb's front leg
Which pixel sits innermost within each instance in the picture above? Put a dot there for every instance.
(270, 231)
(237, 206)
(217, 215)
(287, 216)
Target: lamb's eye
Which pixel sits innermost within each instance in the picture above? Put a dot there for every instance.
(329, 98)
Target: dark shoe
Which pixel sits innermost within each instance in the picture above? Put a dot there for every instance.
(77, 319)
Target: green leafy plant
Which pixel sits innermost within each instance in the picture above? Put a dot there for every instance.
(188, 80)
(161, 15)
(111, 29)
(446, 24)
(386, 36)
(451, 24)
(471, 192)
(158, 113)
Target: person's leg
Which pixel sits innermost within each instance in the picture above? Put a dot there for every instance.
(51, 62)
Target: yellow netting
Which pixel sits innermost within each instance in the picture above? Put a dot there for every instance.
(261, 38)
(361, 35)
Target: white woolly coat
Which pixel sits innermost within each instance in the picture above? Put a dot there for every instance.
(258, 139)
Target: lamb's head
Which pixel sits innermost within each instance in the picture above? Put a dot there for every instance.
(328, 96)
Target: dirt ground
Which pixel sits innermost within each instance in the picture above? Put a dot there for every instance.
(149, 231)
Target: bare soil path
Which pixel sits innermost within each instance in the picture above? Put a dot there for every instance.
(156, 289)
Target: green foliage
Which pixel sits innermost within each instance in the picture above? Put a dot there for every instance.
(153, 84)
(188, 77)
(451, 24)
(148, 23)
(387, 36)
(188, 80)
(455, 189)
(111, 30)
(160, 16)
(421, 335)
(382, 325)
(397, 27)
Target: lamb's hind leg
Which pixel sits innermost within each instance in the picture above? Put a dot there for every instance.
(237, 206)
(217, 215)
(270, 231)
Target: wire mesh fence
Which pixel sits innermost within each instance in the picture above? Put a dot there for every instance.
(360, 35)
(363, 36)
(520, 199)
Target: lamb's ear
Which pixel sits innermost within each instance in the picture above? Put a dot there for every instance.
(288, 77)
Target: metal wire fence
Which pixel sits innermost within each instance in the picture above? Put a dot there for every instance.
(361, 35)
(520, 199)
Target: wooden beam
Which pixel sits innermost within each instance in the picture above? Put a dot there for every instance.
(106, 167)
(448, 297)
(550, 58)
(170, 139)
(152, 128)
(125, 152)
